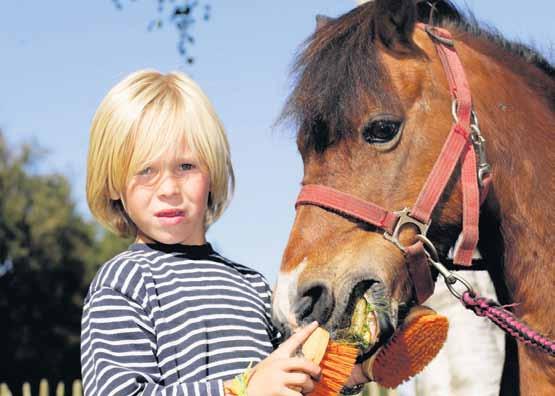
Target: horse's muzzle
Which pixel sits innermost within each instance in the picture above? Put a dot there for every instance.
(359, 311)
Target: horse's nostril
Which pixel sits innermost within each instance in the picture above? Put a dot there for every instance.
(315, 303)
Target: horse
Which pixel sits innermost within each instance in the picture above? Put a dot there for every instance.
(373, 107)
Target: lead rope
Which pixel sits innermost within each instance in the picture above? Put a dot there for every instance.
(507, 321)
(485, 307)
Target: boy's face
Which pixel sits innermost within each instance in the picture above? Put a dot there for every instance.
(167, 200)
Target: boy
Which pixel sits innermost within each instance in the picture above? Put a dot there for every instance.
(170, 315)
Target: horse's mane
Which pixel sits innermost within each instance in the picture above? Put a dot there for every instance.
(448, 15)
(345, 47)
(478, 35)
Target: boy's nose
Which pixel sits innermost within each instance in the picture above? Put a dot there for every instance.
(168, 185)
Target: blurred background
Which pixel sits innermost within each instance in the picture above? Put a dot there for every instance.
(59, 59)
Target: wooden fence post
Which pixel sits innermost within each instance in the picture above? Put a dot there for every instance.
(60, 389)
(77, 388)
(26, 389)
(43, 388)
(4, 390)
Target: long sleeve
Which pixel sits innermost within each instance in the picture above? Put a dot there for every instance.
(118, 351)
(265, 293)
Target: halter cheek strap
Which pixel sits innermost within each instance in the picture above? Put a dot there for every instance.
(463, 141)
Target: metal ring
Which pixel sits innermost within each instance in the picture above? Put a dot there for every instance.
(405, 218)
(443, 40)
(451, 286)
(430, 248)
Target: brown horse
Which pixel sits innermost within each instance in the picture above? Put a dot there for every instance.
(373, 109)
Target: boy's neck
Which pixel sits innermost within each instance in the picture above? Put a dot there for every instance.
(192, 241)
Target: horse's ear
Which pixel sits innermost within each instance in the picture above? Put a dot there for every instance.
(394, 23)
(322, 20)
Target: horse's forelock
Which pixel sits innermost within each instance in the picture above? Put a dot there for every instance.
(336, 71)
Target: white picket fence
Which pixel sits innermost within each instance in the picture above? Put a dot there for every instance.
(44, 389)
(77, 390)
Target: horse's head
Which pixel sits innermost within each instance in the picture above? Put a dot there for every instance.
(374, 110)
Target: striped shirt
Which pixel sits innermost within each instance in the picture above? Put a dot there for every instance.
(173, 320)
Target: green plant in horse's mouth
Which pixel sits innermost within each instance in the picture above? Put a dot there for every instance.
(364, 329)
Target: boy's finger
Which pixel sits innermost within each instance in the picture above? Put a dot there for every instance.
(300, 364)
(297, 339)
(298, 379)
(300, 382)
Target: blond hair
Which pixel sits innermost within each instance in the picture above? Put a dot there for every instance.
(136, 122)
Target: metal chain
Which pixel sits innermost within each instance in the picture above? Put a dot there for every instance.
(451, 279)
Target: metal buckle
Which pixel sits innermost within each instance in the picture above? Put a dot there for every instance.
(455, 108)
(440, 39)
(479, 143)
(404, 219)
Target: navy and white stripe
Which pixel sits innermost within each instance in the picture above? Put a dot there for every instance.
(173, 320)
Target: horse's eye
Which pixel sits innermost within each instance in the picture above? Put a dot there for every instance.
(381, 131)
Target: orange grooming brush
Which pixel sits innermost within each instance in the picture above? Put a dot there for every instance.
(336, 360)
(411, 348)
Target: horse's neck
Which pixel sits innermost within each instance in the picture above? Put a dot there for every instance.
(519, 126)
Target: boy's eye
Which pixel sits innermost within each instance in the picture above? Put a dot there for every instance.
(186, 166)
(145, 171)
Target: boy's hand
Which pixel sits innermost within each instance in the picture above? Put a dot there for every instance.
(282, 374)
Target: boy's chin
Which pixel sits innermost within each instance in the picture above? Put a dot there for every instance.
(181, 239)
(173, 236)
(160, 238)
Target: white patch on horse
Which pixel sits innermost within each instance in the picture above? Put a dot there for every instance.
(285, 292)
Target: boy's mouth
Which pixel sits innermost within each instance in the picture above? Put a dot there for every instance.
(171, 216)
(170, 213)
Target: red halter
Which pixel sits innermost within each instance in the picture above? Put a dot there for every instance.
(462, 143)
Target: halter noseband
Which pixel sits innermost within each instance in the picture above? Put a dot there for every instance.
(462, 143)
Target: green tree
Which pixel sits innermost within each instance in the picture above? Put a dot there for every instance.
(48, 254)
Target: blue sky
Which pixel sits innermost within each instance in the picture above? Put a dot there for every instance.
(59, 58)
